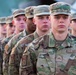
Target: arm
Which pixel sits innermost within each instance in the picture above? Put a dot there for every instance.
(27, 64)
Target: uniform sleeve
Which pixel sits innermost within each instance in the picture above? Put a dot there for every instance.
(28, 63)
(1, 59)
(13, 64)
(14, 60)
(6, 59)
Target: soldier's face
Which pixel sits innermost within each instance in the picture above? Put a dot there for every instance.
(10, 28)
(3, 29)
(60, 23)
(42, 23)
(73, 25)
(20, 22)
(30, 24)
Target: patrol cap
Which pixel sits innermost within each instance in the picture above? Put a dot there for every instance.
(2, 20)
(41, 10)
(18, 12)
(29, 11)
(73, 16)
(60, 8)
(9, 19)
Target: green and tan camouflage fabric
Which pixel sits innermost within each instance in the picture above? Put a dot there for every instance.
(1, 58)
(47, 56)
(60, 8)
(17, 52)
(8, 48)
(4, 42)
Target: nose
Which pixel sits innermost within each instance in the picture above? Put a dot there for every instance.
(61, 20)
(45, 20)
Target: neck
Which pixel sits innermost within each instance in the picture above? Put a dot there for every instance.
(60, 36)
(40, 33)
(2, 36)
(73, 33)
(16, 31)
(28, 31)
(8, 34)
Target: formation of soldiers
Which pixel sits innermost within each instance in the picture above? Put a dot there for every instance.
(39, 40)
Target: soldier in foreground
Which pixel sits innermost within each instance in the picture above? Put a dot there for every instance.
(42, 21)
(54, 53)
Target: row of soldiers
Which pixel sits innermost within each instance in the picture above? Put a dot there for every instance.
(39, 41)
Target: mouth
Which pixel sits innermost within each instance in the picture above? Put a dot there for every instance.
(61, 26)
(22, 26)
(45, 25)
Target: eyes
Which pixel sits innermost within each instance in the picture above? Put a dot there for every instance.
(59, 16)
(11, 25)
(43, 17)
(19, 19)
(74, 20)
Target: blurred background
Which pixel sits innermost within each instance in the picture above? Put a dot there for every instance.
(7, 6)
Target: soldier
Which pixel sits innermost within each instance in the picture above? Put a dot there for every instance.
(31, 27)
(19, 21)
(54, 53)
(2, 36)
(42, 21)
(10, 26)
(2, 28)
(10, 30)
(73, 26)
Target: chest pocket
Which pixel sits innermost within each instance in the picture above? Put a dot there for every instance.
(54, 62)
(45, 63)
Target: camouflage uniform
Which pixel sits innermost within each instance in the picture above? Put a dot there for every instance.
(17, 52)
(12, 42)
(8, 48)
(47, 56)
(1, 58)
(2, 22)
(4, 41)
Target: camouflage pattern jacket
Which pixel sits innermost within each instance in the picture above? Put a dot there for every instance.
(8, 48)
(1, 58)
(3, 43)
(17, 52)
(46, 56)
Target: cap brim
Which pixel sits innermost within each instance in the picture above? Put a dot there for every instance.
(57, 13)
(18, 14)
(42, 14)
(73, 18)
(31, 16)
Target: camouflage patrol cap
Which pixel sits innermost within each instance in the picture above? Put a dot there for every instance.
(73, 16)
(18, 12)
(9, 19)
(41, 10)
(29, 11)
(2, 20)
(60, 8)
